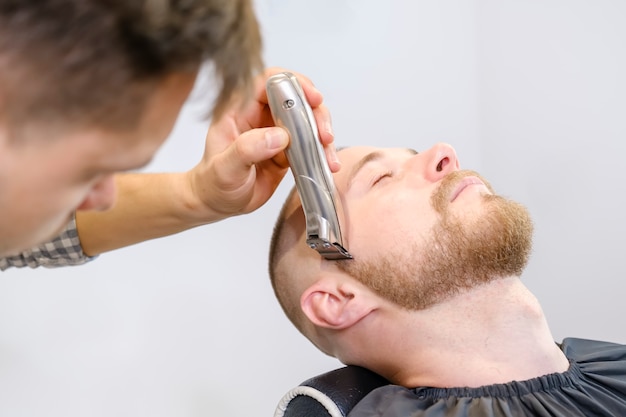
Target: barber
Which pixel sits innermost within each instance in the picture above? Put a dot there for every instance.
(91, 89)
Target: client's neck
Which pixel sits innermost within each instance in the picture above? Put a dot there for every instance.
(495, 333)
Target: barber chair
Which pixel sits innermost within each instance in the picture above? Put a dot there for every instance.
(332, 394)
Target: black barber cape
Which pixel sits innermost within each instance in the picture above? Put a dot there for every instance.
(593, 386)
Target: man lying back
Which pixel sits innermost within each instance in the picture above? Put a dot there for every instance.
(433, 300)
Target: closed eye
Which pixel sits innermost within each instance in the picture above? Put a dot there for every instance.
(380, 177)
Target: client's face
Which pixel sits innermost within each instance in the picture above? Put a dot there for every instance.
(421, 230)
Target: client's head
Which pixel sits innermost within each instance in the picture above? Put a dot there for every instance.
(421, 232)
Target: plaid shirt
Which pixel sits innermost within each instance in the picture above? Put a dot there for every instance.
(63, 250)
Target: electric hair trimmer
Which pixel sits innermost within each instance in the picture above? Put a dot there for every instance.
(309, 167)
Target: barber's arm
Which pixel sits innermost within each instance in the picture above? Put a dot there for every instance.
(242, 165)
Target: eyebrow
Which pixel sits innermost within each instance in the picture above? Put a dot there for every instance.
(370, 157)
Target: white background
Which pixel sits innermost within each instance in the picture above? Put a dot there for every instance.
(531, 93)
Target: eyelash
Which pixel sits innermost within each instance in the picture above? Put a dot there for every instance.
(380, 177)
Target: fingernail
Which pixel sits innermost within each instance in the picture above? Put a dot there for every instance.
(276, 138)
(328, 127)
(334, 158)
(315, 90)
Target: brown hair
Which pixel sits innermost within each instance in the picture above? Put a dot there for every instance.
(280, 243)
(95, 62)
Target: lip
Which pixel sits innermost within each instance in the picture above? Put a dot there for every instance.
(463, 184)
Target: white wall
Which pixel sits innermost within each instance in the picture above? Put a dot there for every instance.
(530, 93)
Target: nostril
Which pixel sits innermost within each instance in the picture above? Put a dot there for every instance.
(442, 164)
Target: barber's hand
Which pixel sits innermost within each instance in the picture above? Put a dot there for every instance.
(244, 160)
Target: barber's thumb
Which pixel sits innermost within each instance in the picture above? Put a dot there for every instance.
(255, 146)
(276, 139)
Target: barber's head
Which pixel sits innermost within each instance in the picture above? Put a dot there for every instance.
(96, 62)
(420, 229)
(91, 87)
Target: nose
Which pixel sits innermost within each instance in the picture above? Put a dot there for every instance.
(101, 196)
(440, 160)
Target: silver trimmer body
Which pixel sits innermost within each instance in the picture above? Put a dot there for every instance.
(314, 180)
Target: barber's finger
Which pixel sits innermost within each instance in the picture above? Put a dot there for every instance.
(331, 156)
(324, 124)
(320, 112)
(327, 136)
(313, 95)
(250, 148)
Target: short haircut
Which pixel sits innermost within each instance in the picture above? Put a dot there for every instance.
(280, 278)
(95, 62)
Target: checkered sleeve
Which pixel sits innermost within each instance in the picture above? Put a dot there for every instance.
(63, 250)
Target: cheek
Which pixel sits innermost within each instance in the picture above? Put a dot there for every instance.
(42, 187)
(36, 213)
(391, 223)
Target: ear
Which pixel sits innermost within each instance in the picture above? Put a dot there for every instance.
(336, 305)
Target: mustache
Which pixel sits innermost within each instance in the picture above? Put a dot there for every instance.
(440, 198)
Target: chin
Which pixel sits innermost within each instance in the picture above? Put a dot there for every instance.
(51, 232)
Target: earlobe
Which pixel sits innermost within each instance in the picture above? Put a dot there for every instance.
(334, 305)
